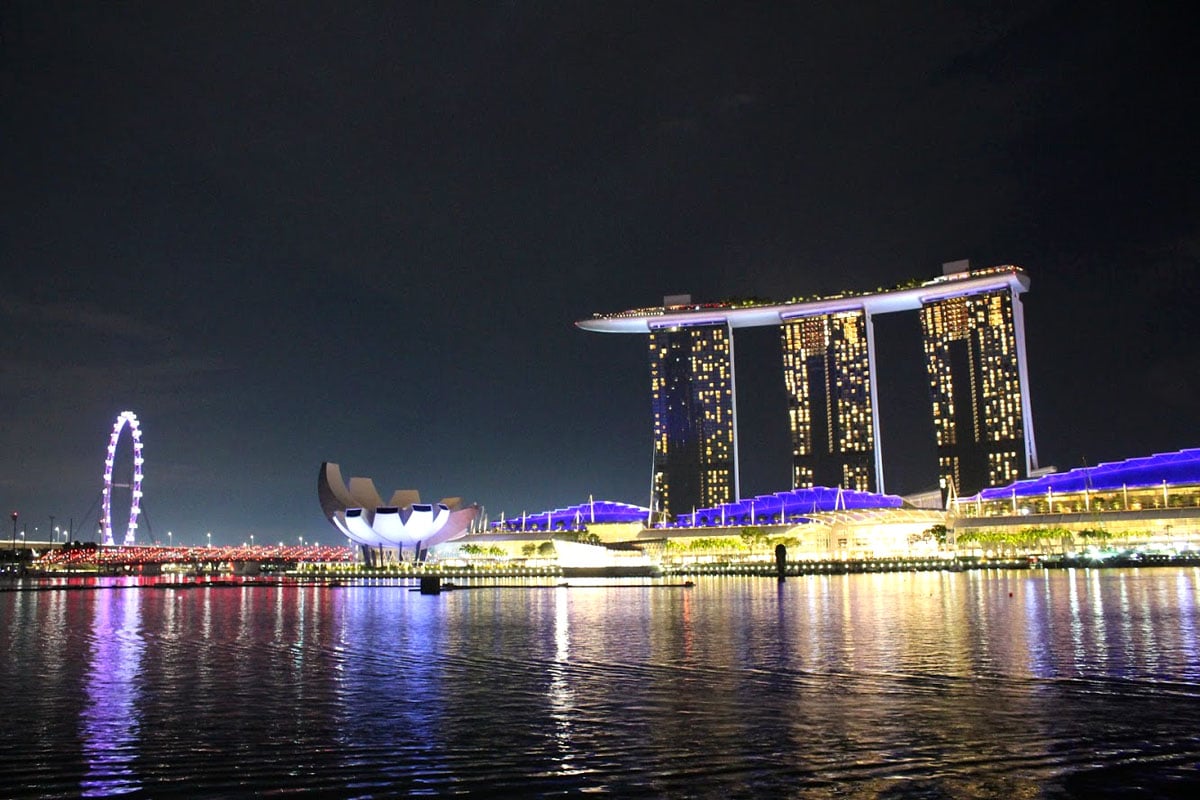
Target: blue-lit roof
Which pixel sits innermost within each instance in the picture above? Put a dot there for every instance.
(796, 503)
(597, 512)
(1182, 467)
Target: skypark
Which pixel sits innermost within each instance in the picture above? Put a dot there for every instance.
(752, 315)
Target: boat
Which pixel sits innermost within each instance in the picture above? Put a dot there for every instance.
(578, 560)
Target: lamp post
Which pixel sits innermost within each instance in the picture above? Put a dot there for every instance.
(170, 539)
(14, 537)
(209, 538)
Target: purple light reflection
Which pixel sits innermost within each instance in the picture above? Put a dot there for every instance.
(109, 722)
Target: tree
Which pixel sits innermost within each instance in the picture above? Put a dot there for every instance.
(754, 537)
(546, 549)
(1097, 534)
(717, 543)
(934, 533)
(528, 549)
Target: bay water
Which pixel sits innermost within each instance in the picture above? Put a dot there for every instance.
(1028, 683)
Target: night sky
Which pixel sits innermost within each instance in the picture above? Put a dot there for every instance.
(289, 233)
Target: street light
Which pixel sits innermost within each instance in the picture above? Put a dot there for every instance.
(14, 539)
(210, 538)
(252, 540)
(170, 539)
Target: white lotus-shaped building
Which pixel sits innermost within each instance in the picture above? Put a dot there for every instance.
(404, 522)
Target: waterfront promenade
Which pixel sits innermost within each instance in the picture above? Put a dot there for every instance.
(337, 573)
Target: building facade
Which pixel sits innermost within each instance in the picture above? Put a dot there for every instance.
(971, 355)
(695, 438)
(828, 372)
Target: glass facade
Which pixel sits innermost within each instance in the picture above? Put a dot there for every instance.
(972, 358)
(827, 372)
(695, 440)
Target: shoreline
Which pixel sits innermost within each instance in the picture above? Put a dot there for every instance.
(45, 581)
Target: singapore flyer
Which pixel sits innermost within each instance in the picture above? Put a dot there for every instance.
(126, 418)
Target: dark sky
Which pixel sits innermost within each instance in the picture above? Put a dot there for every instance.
(288, 233)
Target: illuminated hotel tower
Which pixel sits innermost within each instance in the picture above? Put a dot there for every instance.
(828, 368)
(974, 354)
(695, 440)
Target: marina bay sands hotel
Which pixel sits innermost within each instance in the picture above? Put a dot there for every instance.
(974, 340)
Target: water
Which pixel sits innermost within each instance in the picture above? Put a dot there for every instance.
(928, 685)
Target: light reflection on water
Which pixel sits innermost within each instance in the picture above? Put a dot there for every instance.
(993, 684)
(109, 721)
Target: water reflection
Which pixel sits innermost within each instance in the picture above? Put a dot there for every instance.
(390, 696)
(561, 696)
(109, 722)
(1099, 624)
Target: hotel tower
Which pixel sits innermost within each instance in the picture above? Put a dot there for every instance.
(827, 369)
(695, 438)
(974, 356)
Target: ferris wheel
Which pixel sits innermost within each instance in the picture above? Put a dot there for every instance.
(126, 418)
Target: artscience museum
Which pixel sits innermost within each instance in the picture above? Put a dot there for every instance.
(389, 530)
